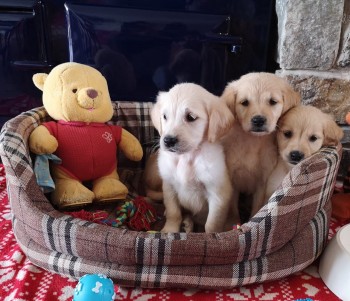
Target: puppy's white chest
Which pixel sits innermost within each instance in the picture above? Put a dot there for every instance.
(185, 172)
(190, 189)
(182, 173)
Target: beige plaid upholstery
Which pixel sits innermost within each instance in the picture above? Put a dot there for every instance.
(286, 235)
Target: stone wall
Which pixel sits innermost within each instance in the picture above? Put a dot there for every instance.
(314, 51)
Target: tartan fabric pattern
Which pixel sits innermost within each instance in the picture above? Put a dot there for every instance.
(284, 237)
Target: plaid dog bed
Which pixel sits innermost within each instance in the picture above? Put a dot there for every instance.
(284, 237)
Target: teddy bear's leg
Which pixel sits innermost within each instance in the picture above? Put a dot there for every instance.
(69, 192)
(109, 188)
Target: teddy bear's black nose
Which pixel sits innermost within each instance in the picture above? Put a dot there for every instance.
(92, 93)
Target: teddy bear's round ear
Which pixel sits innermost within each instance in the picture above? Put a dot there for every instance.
(39, 80)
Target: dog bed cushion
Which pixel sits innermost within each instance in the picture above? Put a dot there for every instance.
(284, 237)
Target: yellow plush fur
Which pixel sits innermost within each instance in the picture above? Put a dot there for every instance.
(66, 97)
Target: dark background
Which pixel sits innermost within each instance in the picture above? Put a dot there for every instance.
(141, 47)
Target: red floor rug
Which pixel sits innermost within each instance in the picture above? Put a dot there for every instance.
(22, 281)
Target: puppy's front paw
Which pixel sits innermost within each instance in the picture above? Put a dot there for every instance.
(213, 228)
(171, 228)
(188, 224)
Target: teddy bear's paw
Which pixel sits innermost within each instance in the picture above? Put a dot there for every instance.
(70, 194)
(41, 146)
(109, 190)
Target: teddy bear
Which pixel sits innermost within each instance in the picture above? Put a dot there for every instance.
(76, 97)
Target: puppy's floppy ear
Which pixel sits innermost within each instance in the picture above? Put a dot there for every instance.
(332, 132)
(291, 98)
(220, 120)
(156, 114)
(229, 95)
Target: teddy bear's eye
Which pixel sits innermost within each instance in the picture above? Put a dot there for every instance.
(74, 90)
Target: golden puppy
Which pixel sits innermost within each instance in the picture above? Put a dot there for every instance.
(191, 161)
(151, 178)
(257, 101)
(302, 131)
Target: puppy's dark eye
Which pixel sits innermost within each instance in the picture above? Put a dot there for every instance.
(245, 103)
(164, 117)
(74, 90)
(288, 134)
(272, 102)
(312, 138)
(190, 117)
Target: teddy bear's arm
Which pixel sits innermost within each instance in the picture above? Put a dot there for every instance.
(130, 146)
(42, 142)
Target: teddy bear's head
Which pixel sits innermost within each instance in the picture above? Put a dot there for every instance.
(75, 92)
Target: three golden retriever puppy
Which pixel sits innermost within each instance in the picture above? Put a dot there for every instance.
(214, 149)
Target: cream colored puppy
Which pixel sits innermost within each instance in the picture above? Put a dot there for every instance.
(302, 131)
(191, 161)
(257, 101)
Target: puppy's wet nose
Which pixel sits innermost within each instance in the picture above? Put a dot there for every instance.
(296, 156)
(258, 120)
(170, 141)
(92, 93)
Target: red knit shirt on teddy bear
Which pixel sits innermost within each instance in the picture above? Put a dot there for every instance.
(88, 150)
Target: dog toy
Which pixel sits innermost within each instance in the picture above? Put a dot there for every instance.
(97, 217)
(236, 227)
(76, 97)
(136, 214)
(94, 287)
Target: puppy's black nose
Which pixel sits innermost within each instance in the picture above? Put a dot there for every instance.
(296, 156)
(170, 141)
(258, 121)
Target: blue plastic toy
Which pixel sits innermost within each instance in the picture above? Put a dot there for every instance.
(94, 287)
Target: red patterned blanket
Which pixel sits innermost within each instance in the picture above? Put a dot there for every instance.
(20, 280)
